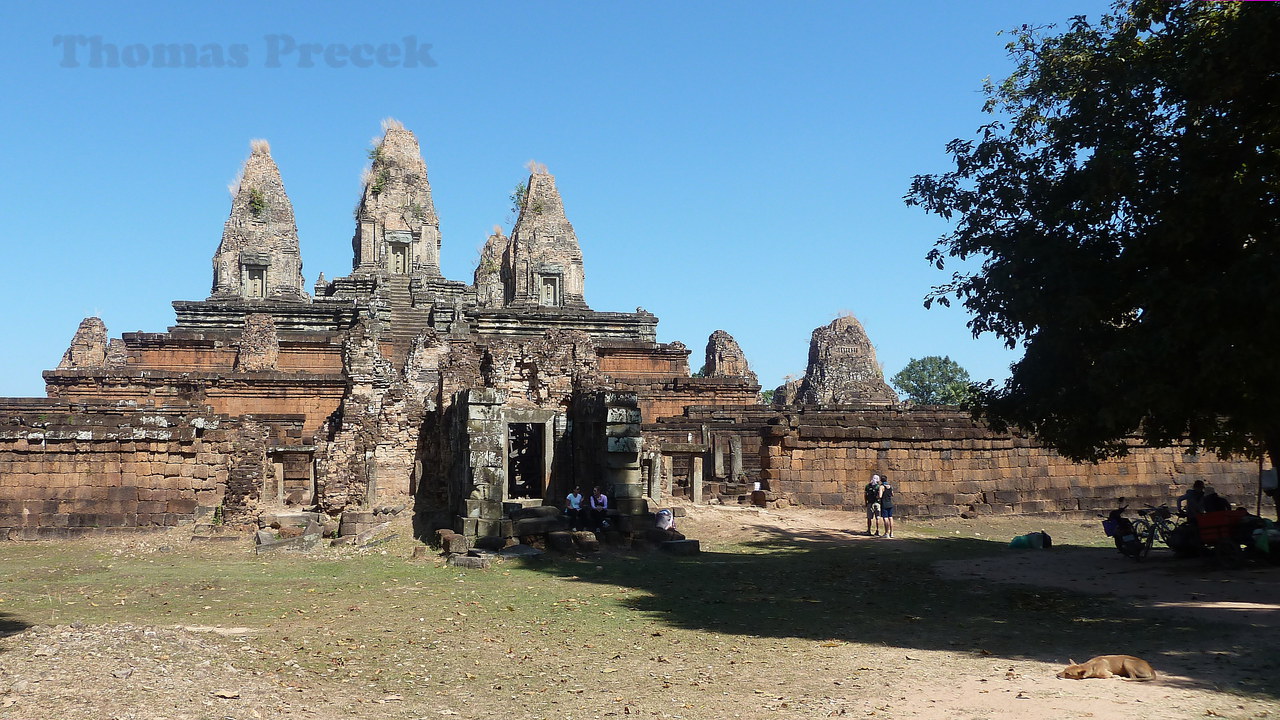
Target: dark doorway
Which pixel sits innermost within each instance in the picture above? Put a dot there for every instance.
(524, 460)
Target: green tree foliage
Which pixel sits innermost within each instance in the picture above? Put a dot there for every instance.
(933, 380)
(1124, 204)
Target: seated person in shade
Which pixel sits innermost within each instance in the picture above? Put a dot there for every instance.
(666, 521)
(573, 509)
(666, 528)
(1213, 502)
(1191, 502)
(599, 508)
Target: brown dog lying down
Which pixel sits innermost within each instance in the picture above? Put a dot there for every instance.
(1105, 666)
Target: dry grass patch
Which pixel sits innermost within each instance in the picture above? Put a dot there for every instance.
(785, 614)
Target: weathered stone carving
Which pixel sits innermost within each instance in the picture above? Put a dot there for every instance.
(88, 346)
(544, 372)
(397, 230)
(543, 263)
(259, 347)
(843, 368)
(726, 359)
(258, 258)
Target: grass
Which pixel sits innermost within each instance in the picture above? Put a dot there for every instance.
(638, 630)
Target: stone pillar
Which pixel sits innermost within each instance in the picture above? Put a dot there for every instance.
(695, 478)
(667, 479)
(486, 463)
(622, 452)
(717, 457)
(735, 458)
(655, 479)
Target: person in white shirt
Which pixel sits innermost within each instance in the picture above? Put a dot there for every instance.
(573, 508)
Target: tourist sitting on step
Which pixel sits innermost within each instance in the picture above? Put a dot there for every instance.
(573, 509)
(665, 530)
(599, 509)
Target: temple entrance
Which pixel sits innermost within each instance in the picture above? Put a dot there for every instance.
(550, 290)
(525, 466)
(255, 282)
(399, 259)
(293, 480)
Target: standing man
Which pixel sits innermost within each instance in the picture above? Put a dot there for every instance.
(886, 506)
(871, 495)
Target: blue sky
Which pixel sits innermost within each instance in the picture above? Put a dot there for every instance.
(727, 165)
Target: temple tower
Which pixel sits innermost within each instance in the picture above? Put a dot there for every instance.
(489, 276)
(258, 258)
(724, 358)
(397, 230)
(843, 367)
(543, 263)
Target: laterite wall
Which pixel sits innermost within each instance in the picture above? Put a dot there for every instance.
(67, 471)
(943, 464)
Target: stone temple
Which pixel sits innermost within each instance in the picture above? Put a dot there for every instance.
(391, 382)
(476, 403)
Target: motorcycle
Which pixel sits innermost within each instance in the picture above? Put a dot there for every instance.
(1120, 528)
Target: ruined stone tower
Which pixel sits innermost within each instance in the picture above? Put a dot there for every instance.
(488, 278)
(543, 263)
(843, 368)
(258, 258)
(397, 230)
(88, 346)
(726, 359)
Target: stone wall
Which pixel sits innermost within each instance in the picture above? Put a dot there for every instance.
(665, 397)
(313, 396)
(67, 469)
(943, 464)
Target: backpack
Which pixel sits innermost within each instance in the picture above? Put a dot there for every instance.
(871, 493)
(886, 497)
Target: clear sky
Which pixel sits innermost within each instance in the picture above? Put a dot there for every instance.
(727, 165)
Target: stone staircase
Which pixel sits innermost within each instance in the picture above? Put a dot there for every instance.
(404, 321)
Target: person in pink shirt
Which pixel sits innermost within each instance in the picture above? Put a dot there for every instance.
(599, 508)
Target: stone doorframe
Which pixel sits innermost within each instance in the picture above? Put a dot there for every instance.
(545, 418)
(487, 437)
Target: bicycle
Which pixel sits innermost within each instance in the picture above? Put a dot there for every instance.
(1153, 523)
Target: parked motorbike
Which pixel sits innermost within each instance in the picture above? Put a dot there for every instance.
(1120, 528)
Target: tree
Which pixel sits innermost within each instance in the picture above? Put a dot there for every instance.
(1124, 203)
(933, 380)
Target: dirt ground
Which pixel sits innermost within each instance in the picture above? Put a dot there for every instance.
(1242, 606)
(135, 671)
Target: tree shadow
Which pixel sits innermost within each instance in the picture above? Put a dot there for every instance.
(802, 585)
(10, 625)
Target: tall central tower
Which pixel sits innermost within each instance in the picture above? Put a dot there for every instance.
(397, 230)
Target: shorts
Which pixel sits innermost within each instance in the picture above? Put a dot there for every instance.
(873, 510)
(886, 512)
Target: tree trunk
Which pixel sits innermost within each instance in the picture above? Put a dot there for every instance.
(1272, 443)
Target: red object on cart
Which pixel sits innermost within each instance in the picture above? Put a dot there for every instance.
(1219, 525)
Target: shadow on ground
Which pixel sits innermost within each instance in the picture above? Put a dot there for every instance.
(9, 625)
(803, 585)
